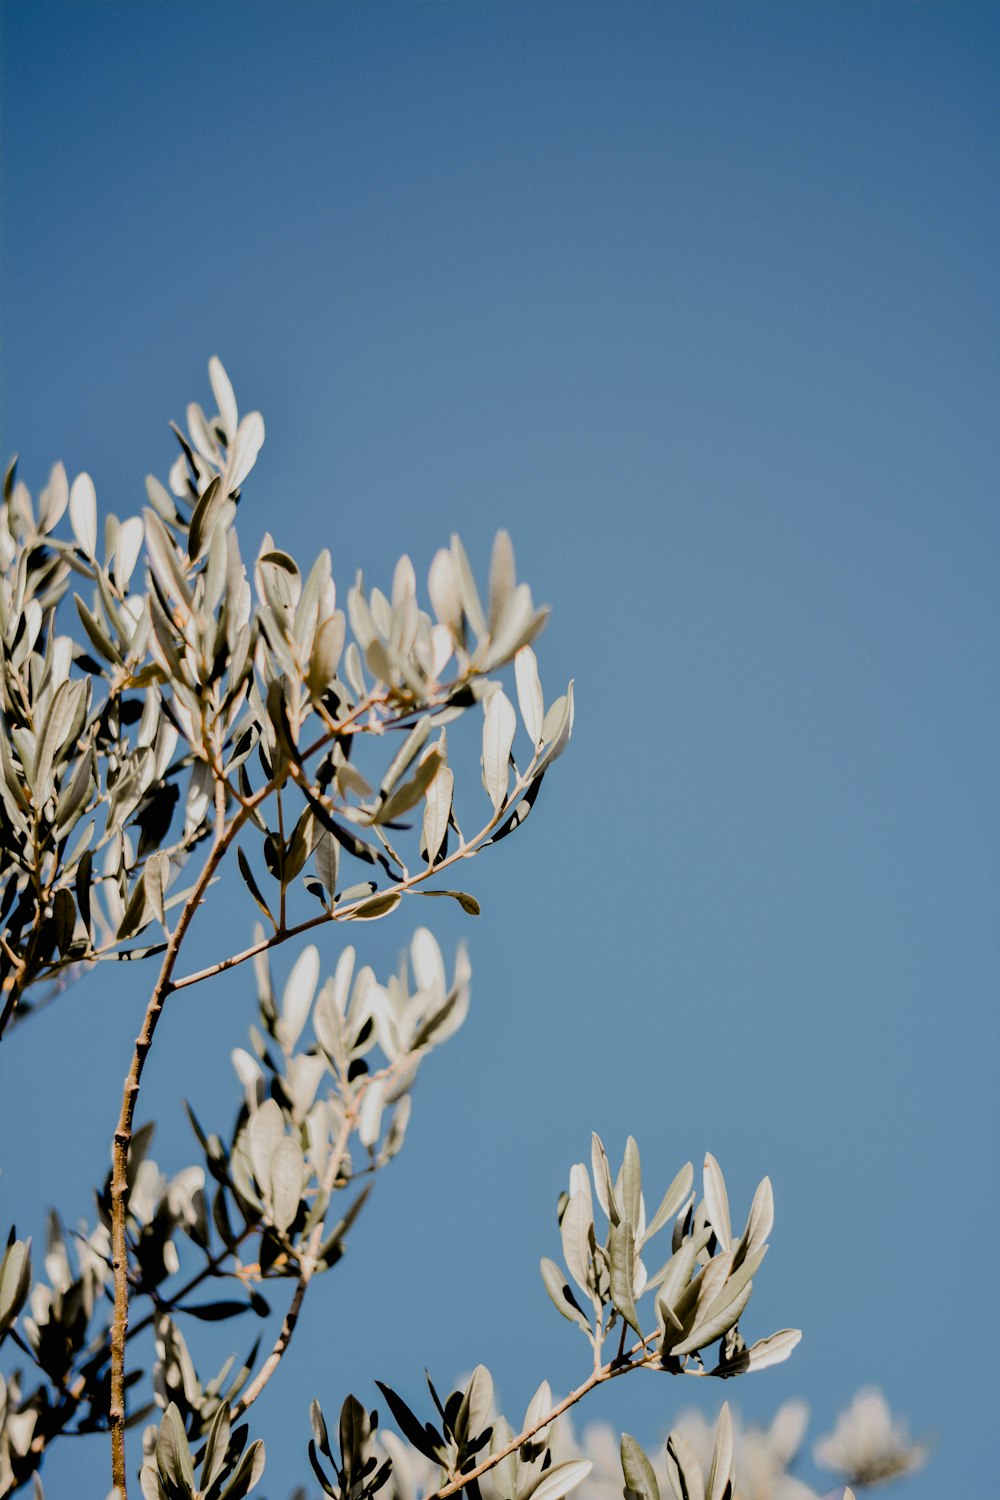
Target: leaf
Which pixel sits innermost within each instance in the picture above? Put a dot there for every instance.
(717, 1201)
(378, 906)
(558, 1480)
(773, 1350)
(252, 885)
(406, 754)
(683, 1469)
(637, 1469)
(558, 728)
(621, 1245)
(243, 454)
(499, 724)
(672, 1200)
(721, 1474)
(468, 903)
(213, 1465)
(248, 1473)
(711, 1328)
(265, 1129)
(529, 693)
(297, 997)
(576, 1229)
(327, 860)
(631, 1182)
(15, 1281)
(58, 722)
(173, 1456)
(83, 514)
(410, 793)
(437, 811)
(205, 518)
(760, 1220)
(222, 390)
(426, 1439)
(602, 1179)
(561, 1294)
(286, 1172)
(213, 1312)
(503, 576)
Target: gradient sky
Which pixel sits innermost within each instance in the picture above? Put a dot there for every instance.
(701, 302)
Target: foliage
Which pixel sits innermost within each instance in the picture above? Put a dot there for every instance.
(179, 711)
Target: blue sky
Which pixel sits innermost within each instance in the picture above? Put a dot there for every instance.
(701, 303)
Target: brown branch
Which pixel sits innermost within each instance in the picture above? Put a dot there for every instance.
(307, 1268)
(344, 912)
(600, 1376)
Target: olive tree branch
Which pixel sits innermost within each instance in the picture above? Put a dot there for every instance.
(620, 1365)
(348, 909)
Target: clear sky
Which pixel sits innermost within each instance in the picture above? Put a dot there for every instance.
(701, 302)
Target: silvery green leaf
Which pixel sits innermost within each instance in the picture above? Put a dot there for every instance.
(173, 1456)
(252, 886)
(760, 1220)
(15, 1281)
(377, 906)
(683, 1469)
(410, 792)
(370, 1118)
(149, 1482)
(676, 1274)
(468, 903)
(243, 453)
(53, 500)
(540, 1403)
(327, 855)
(602, 1180)
(97, 635)
(264, 1130)
(437, 810)
(558, 728)
(225, 400)
(631, 1184)
(503, 1475)
(204, 519)
(58, 722)
(83, 514)
(466, 585)
(518, 625)
(442, 585)
(248, 1473)
(709, 1329)
(576, 1229)
(722, 1475)
(637, 1469)
(621, 1246)
(406, 754)
(558, 1480)
(773, 1350)
(325, 657)
(297, 998)
(214, 1463)
(503, 576)
(164, 561)
(712, 1303)
(561, 1294)
(672, 1200)
(128, 545)
(428, 965)
(286, 1170)
(477, 1405)
(717, 1201)
(529, 693)
(499, 724)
